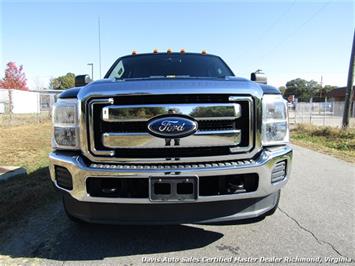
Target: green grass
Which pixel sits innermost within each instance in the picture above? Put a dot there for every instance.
(334, 141)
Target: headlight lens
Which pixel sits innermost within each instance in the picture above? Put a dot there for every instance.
(66, 124)
(275, 121)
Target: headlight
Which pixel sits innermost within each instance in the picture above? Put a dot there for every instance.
(275, 121)
(65, 124)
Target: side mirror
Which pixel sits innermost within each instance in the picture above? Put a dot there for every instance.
(82, 80)
(258, 77)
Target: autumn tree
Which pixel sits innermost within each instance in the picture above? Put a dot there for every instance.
(63, 82)
(14, 78)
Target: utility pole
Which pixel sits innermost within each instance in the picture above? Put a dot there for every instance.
(92, 70)
(99, 25)
(349, 91)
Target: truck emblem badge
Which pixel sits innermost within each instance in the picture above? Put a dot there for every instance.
(172, 126)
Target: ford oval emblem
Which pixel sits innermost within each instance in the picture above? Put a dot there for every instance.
(172, 126)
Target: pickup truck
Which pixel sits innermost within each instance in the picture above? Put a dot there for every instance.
(170, 138)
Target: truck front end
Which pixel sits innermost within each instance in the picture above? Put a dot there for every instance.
(170, 144)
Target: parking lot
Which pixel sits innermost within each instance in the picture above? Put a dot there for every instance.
(315, 222)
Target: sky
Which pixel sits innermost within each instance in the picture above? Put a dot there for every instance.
(286, 39)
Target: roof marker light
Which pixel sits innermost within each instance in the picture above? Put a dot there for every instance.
(134, 52)
(204, 52)
(155, 51)
(169, 51)
(182, 51)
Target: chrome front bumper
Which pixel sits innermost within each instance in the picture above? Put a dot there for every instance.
(262, 165)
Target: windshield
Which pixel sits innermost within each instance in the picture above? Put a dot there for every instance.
(169, 65)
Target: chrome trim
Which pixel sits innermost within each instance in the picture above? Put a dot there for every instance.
(145, 140)
(251, 125)
(253, 97)
(91, 127)
(262, 165)
(128, 113)
(176, 166)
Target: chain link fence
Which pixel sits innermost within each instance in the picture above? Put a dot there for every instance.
(323, 113)
(23, 107)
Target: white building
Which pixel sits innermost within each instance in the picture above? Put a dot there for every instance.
(24, 102)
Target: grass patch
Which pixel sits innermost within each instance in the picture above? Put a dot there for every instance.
(10, 120)
(27, 146)
(334, 141)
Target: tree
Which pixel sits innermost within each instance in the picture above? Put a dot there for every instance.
(324, 91)
(14, 78)
(282, 89)
(63, 82)
(302, 89)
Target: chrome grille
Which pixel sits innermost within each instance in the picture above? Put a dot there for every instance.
(118, 128)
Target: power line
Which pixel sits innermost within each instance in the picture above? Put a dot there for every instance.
(308, 20)
(277, 20)
(271, 26)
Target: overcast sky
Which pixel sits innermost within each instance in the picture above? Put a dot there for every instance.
(287, 39)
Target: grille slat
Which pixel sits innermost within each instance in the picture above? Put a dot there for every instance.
(141, 126)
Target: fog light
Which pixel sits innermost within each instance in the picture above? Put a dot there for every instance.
(63, 178)
(279, 172)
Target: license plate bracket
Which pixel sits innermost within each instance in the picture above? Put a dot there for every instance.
(182, 188)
